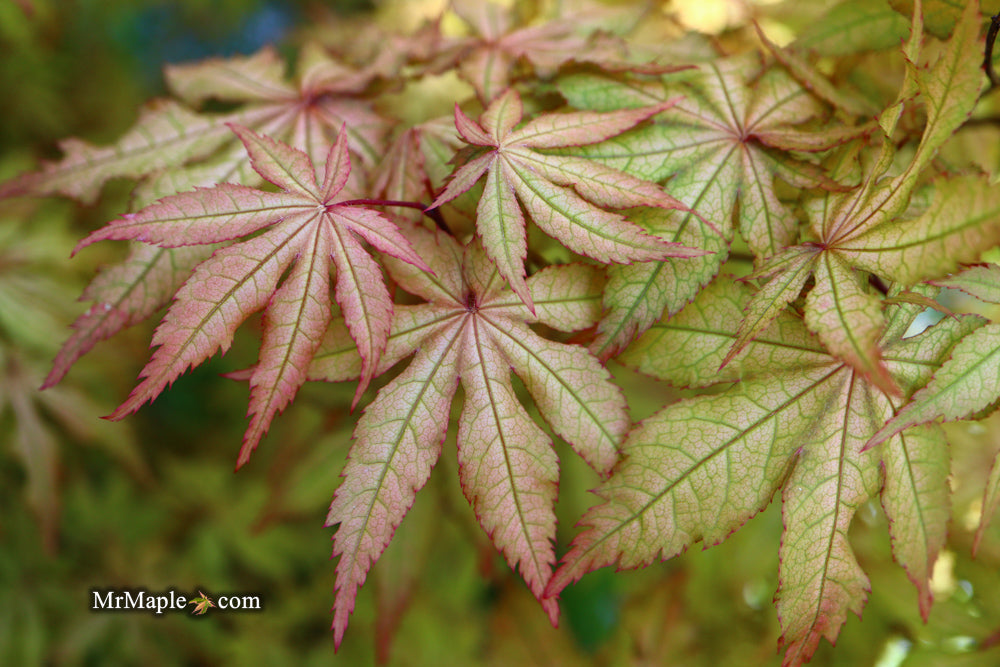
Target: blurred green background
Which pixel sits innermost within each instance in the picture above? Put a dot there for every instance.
(152, 502)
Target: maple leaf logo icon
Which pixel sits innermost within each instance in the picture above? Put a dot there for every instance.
(202, 603)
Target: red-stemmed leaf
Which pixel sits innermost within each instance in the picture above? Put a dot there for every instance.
(302, 231)
(566, 196)
(474, 331)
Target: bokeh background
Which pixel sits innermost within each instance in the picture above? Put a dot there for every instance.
(152, 502)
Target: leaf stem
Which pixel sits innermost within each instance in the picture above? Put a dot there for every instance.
(434, 214)
(991, 38)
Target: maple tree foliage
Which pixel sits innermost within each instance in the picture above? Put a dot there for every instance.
(757, 228)
(312, 231)
(471, 329)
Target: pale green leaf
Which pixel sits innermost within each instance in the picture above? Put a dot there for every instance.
(696, 471)
(259, 77)
(792, 268)
(917, 502)
(853, 26)
(941, 15)
(687, 349)
(912, 361)
(963, 220)
(638, 294)
(966, 383)
(848, 320)
(982, 282)
(820, 579)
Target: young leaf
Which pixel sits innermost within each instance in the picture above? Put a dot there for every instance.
(848, 320)
(789, 270)
(962, 221)
(863, 229)
(474, 331)
(165, 135)
(917, 503)
(566, 196)
(820, 578)
(306, 233)
(853, 26)
(691, 348)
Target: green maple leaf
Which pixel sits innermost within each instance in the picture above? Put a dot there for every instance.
(307, 229)
(34, 297)
(568, 197)
(473, 330)
(797, 422)
(722, 146)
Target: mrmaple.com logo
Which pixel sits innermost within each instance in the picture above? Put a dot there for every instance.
(170, 600)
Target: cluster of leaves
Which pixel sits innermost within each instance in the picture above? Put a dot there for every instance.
(657, 179)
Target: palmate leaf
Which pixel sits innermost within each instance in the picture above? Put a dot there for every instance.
(176, 149)
(798, 421)
(305, 232)
(487, 60)
(173, 149)
(968, 382)
(722, 145)
(868, 229)
(124, 295)
(473, 330)
(566, 196)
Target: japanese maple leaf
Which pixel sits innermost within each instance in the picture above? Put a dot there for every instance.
(723, 145)
(981, 281)
(202, 603)
(473, 330)
(872, 229)
(566, 196)
(796, 421)
(303, 230)
(487, 61)
(174, 148)
(966, 386)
